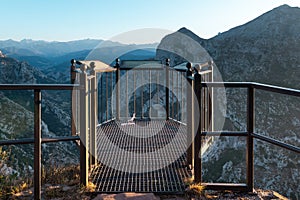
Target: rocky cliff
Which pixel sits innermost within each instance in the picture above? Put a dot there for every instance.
(264, 50)
(16, 120)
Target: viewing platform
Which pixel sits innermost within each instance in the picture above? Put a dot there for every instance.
(139, 174)
(144, 127)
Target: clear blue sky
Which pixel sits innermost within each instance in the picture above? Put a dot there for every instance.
(64, 20)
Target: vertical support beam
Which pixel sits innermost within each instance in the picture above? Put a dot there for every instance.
(83, 126)
(198, 128)
(37, 144)
(117, 66)
(106, 96)
(250, 146)
(171, 85)
(126, 94)
(212, 98)
(189, 112)
(73, 97)
(93, 117)
(101, 99)
(150, 96)
(178, 100)
(167, 88)
(204, 105)
(142, 95)
(134, 92)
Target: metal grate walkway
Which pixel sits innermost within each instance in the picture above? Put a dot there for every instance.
(145, 157)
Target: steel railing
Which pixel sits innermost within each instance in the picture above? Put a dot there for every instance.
(94, 95)
(37, 139)
(140, 84)
(198, 87)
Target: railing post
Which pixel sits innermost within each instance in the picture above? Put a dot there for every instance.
(117, 66)
(73, 97)
(212, 125)
(198, 128)
(37, 144)
(189, 112)
(93, 117)
(167, 88)
(83, 126)
(250, 146)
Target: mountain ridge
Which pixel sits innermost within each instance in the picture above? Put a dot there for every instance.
(276, 13)
(261, 51)
(264, 50)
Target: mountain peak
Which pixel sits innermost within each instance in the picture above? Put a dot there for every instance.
(286, 9)
(283, 7)
(183, 30)
(191, 34)
(282, 20)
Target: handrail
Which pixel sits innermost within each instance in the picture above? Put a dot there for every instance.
(277, 89)
(224, 133)
(37, 140)
(251, 87)
(39, 86)
(266, 87)
(261, 86)
(277, 142)
(44, 140)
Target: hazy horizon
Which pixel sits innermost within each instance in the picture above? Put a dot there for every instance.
(63, 21)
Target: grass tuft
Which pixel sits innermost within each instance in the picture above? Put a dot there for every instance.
(196, 189)
(91, 187)
(55, 174)
(10, 184)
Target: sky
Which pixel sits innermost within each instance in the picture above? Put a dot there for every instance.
(66, 20)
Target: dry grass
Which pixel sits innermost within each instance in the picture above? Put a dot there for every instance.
(10, 184)
(195, 189)
(61, 175)
(57, 182)
(89, 188)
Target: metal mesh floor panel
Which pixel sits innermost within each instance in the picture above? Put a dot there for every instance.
(156, 162)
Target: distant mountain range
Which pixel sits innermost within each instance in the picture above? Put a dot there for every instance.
(29, 47)
(53, 58)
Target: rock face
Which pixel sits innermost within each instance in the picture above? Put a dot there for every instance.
(17, 121)
(1, 55)
(268, 46)
(174, 47)
(264, 50)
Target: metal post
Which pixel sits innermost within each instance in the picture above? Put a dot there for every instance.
(142, 95)
(73, 97)
(250, 130)
(172, 99)
(117, 66)
(37, 144)
(167, 87)
(106, 96)
(178, 100)
(93, 116)
(211, 98)
(189, 112)
(150, 99)
(126, 94)
(134, 93)
(83, 127)
(101, 98)
(198, 128)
